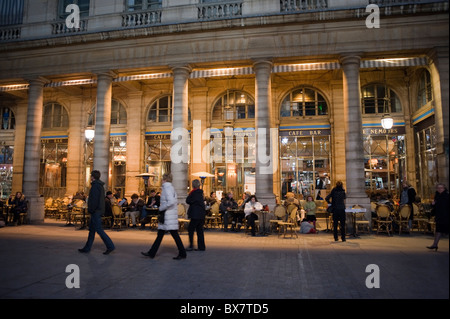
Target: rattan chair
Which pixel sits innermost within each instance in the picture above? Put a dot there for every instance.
(384, 219)
(403, 218)
(119, 216)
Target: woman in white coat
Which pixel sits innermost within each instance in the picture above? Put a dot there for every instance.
(169, 203)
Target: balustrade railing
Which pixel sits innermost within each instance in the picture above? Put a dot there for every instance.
(219, 10)
(10, 33)
(303, 5)
(61, 27)
(136, 19)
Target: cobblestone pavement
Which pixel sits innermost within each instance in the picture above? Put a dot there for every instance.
(234, 266)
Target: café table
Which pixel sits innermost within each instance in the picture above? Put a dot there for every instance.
(354, 211)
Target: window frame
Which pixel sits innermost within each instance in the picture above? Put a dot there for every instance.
(296, 111)
(379, 109)
(63, 117)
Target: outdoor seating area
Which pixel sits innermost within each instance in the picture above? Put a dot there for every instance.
(284, 220)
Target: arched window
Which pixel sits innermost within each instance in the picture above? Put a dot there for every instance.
(425, 91)
(161, 110)
(379, 99)
(118, 114)
(55, 116)
(8, 119)
(234, 105)
(304, 102)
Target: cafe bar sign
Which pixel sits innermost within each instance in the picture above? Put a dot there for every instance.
(310, 132)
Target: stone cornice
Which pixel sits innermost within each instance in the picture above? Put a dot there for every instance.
(216, 25)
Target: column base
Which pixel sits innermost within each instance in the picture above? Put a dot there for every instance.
(36, 211)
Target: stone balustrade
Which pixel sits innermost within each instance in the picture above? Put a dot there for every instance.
(135, 19)
(208, 11)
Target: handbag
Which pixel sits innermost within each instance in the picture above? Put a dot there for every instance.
(330, 209)
(161, 214)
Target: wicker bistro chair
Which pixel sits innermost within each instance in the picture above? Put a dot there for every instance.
(290, 225)
(280, 213)
(403, 218)
(384, 219)
(361, 223)
(119, 217)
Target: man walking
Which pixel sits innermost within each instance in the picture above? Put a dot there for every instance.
(96, 207)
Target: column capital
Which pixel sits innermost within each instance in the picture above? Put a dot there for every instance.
(105, 73)
(350, 58)
(37, 81)
(260, 63)
(181, 68)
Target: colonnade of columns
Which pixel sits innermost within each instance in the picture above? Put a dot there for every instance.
(354, 152)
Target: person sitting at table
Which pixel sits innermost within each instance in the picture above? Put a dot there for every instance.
(250, 208)
(310, 208)
(152, 202)
(211, 200)
(134, 208)
(18, 205)
(226, 205)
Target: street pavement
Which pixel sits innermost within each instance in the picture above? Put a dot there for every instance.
(235, 266)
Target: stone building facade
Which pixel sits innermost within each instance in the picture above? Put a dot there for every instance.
(268, 96)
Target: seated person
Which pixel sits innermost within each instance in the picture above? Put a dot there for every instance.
(226, 205)
(19, 205)
(306, 227)
(250, 208)
(152, 202)
(134, 208)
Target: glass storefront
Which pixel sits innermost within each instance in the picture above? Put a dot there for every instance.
(53, 169)
(6, 170)
(305, 162)
(426, 163)
(157, 157)
(233, 161)
(384, 160)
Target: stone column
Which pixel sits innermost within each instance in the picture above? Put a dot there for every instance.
(265, 158)
(103, 125)
(135, 144)
(354, 147)
(180, 136)
(440, 80)
(33, 150)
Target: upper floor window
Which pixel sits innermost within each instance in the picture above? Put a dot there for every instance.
(8, 119)
(82, 4)
(425, 92)
(304, 102)
(118, 114)
(379, 99)
(11, 12)
(234, 105)
(136, 5)
(161, 110)
(55, 116)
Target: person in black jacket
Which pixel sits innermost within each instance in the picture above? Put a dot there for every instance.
(440, 211)
(96, 207)
(337, 197)
(196, 213)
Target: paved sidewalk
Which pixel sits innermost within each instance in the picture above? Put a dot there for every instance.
(234, 266)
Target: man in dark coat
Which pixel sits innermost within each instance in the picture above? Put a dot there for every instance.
(196, 213)
(96, 208)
